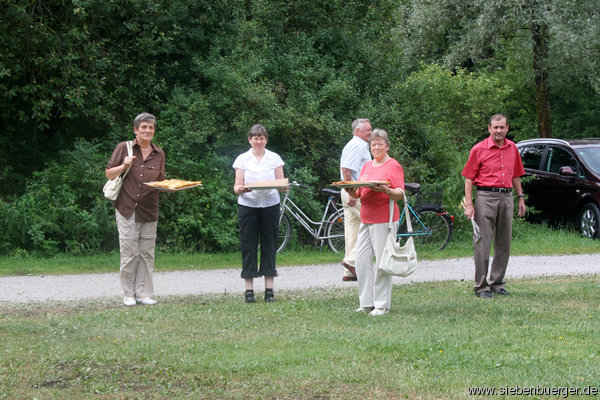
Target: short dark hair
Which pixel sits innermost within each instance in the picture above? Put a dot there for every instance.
(144, 117)
(497, 117)
(258, 130)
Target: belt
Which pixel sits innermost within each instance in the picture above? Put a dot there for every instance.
(493, 189)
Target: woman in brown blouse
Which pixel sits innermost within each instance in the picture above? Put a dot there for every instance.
(137, 209)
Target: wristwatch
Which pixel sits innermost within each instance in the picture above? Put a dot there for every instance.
(521, 196)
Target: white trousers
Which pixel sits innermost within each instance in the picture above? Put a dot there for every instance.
(137, 242)
(351, 225)
(374, 286)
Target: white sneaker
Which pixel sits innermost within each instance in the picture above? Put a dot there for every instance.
(146, 301)
(378, 312)
(129, 301)
(364, 309)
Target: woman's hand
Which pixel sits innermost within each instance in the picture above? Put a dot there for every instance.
(240, 190)
(395, 194)
(128, 161)
(380, 188)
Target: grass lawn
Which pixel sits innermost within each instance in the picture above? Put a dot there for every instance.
(437, 342)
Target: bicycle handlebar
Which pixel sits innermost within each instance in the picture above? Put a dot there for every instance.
(294, 183)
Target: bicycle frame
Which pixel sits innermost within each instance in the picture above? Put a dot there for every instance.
(313, 227)
(415, 232)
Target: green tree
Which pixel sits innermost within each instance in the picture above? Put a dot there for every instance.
(476, 34)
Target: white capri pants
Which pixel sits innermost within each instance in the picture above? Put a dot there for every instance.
(374, 286)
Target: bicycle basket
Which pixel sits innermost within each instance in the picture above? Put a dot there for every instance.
(429, 195)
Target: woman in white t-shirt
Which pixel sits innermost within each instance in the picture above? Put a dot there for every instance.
(258, 211)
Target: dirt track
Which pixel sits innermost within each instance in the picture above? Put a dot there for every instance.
(29, 289)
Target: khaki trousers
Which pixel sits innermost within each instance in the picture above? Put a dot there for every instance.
(351, 225)
(374, 286)
(137, 242)
(493, 214)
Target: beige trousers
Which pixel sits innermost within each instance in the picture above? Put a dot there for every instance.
(493, 214)
(374, 286)
(351, 225)
(137, 242)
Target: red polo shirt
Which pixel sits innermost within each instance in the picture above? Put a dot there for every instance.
(493, 166)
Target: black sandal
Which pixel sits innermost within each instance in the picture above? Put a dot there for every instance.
(269, 296)
(250, 296)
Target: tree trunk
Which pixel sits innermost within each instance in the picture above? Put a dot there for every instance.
(539, 36)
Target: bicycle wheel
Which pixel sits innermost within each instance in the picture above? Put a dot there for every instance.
(440, 225)
(285, 233)
(334, 229)
(438, 222)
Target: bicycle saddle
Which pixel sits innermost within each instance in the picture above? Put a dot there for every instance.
(411, 187)
(331, 191)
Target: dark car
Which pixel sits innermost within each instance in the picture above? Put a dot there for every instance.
(565, 183)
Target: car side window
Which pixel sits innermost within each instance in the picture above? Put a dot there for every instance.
(558, 158)
(532, 155)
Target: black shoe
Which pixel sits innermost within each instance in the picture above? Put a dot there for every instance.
(502, 292)
(485, 294)
(250, 296)
(269, 296)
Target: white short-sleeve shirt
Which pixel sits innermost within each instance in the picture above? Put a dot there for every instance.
(255, 171)
(355, 154)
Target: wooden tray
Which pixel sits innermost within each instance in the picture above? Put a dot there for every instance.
(357, 184)
(267, 185)
(166, 189)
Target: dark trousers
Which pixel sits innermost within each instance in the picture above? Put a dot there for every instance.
(258, 225)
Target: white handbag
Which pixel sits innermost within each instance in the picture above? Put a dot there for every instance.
(112, 188)
(399, 260)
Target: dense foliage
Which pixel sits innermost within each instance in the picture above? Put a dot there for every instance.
(73, 74)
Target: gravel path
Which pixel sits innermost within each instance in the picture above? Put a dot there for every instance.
(28, 289)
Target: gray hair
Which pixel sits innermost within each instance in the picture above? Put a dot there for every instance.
(357, 123)
(379, 134)
(144, 117)
(497, 117)
(258, 130)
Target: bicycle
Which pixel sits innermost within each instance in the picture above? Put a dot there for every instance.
(432, 224)
(330, 229)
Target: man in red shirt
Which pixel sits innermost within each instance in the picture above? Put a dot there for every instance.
(495, 168)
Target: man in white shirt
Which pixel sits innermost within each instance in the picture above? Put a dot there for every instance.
(355, 154)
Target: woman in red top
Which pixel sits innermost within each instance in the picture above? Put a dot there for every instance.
(375, 287)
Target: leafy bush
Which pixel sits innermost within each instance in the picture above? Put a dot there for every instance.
(62, 209)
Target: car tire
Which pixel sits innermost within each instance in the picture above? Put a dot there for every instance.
(589, 220)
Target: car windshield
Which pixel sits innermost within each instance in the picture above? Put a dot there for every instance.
(591, 158)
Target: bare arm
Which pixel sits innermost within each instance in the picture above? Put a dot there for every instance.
(280, 175)
(395, 194)
(521, 202)
(238, 186)
(347, 176)
(469, 210)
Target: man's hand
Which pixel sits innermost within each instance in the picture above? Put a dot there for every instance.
(353, 192)
(522, 207)
(469, 211)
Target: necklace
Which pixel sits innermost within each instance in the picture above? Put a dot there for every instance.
(382, 161)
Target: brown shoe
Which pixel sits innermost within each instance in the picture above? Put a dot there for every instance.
(349, 278)
(349, 268)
